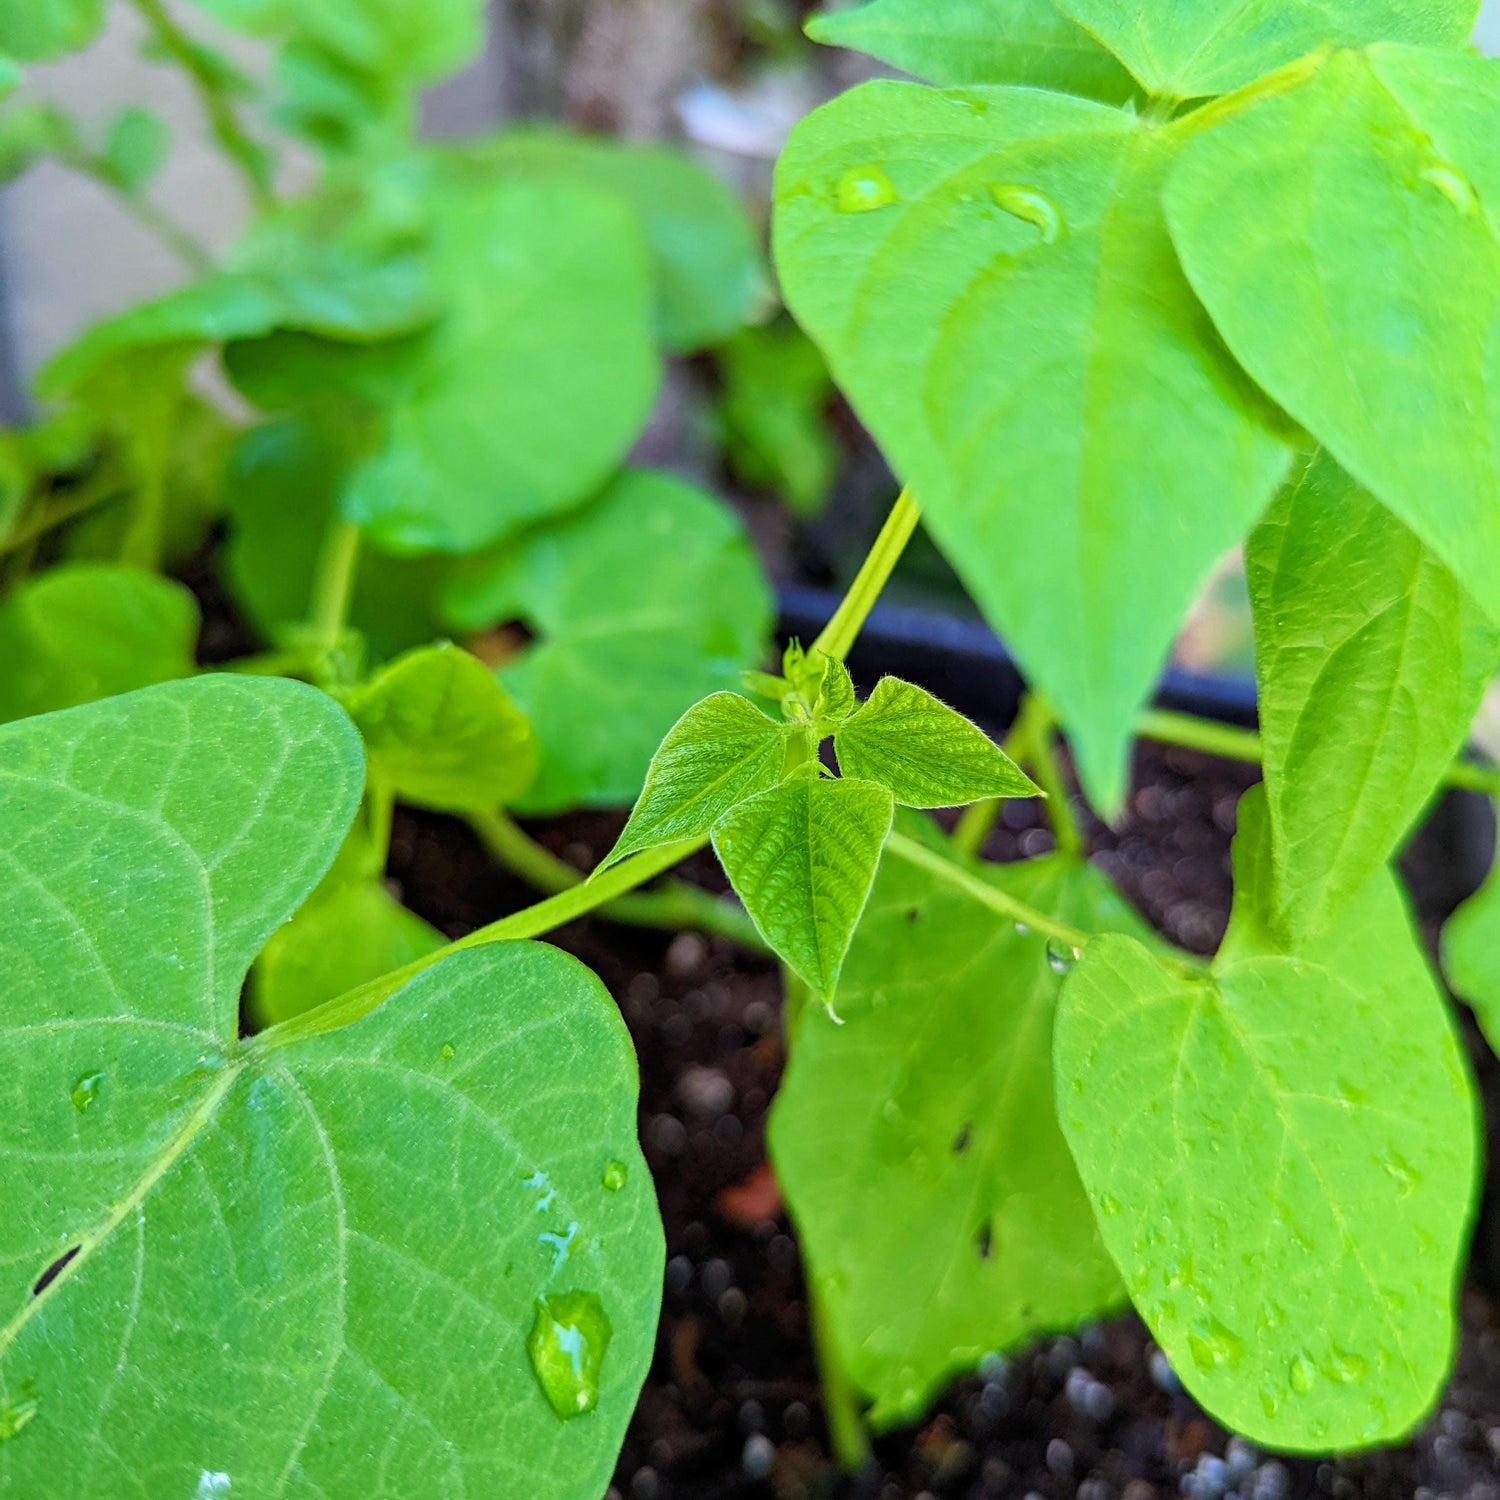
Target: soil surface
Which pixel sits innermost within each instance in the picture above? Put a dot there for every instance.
(732, 1405)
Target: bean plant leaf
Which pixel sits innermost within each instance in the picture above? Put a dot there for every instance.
(1471, 955)
(936, 1201)
(351, 930)
(991, 279)
(350, 1235)
(1316, 1312)
(1342, 235)
(85, 631)
(1372, 663)
(928, 754)
(136, 149)
(961, 42)
(283, 486)
(643, 603)
(1192, 48)
(802, 857)
(719, 753)
(10, 75)
(44, 30)
(442, 733)
(709, 271)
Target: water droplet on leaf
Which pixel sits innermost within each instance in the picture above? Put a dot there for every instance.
(1453, 185)
(1346, 1369)
(17, 1411)
(1060, 959)
(1109, 1205)
(566, 1347)
(1303, 1374)
(1212, 1345)
(1030, 206)
(863, 190)
(212, 1485)
(1400, 1170)
(449, 1051)
(86, 1090)
(616, 1174)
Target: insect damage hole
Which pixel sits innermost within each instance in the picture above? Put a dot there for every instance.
(984, 1241)
(962, 1140)
(54, 1271)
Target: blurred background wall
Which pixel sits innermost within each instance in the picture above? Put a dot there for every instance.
(705, 70)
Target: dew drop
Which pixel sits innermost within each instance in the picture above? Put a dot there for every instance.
(1346, 1369)
(449, 1051)
(1022, 930)
(86, 1090)
(616, 1175)
(541, 1185)
(213, 1484)
(1060, 959)
(560, 1245)
(1109, 1205)
(1030, 206)
(17, 1411)
(1178, 1273)
(1213, 1346)
(1270, 1400)
(1303, 1374)
(863, 190)
(1453, 185)
(1400, 1170)
(566, 1347)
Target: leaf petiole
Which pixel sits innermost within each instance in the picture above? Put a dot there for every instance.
(841, 632)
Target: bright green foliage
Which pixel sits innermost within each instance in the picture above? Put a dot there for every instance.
(284, 481)
(1372, 663)
(136, 149)
(530, 389)
(959, 42)
(925, 752)
(774, 412)
(1340, 235)
(309, 1269)
(643, 603)
(938, 1206)
(29, 132)
(1471, 955)
(10, 75)
(1186, 49)
(835, 699)
(1282, 1155)
(87, 631)
(41, 30)
(442, 733)
(350, 930)
(410, 40)
(719, 753)
(708, 264)
(1048, 386)
(802, 857)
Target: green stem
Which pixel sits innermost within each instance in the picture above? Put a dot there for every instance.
(333, 585)
(156, 221)
(536, 921)
(243, 152)
(380, 808)
(841, 1406)
(977, 822)
(1038, 729)
(838, 638)
(672, 909)
(86, 500)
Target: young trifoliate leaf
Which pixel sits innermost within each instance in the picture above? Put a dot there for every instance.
(719, 753)
(836, 699)
(1282, 1157)
(925, 752)
(802, 857)
(443, 734)
(86, 631)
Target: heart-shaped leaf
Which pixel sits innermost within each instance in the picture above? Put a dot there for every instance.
(1186, 49)
(938, 1207)
(959, 42)
(928, 754)
(802, 857)
(645, 602)
(990, 276)
(1372, 661)
(1343, 236)
(85, 631)
(335, 1263)
(1282, 1156)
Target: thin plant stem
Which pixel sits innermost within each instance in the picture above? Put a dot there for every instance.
(841, 1407)
(333, 585)
(841, 632)
(977, 822)
(1039, 726)
(156, 221)
(675, 907)
(380, 812)
(243, 153)
(48, 519)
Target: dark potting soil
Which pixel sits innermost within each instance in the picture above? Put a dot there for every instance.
(732, 1409)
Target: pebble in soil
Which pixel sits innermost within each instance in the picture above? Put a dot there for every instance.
(732, 1408)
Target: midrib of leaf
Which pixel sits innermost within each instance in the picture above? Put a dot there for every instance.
(155, 1170)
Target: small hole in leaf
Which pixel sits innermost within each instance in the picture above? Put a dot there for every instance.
(501, 643)
(914, 914)
(962, 1139)
(54, 1271)
(984, 1241)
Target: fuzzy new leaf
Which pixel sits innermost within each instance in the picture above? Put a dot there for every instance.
(928, 754)
(443, 734)
(939, 1210)
(719, 753)
(802, 857)
(1282, 1155)
(1372, 661)
(958, 42)
(1342, 234)
(991, 278)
